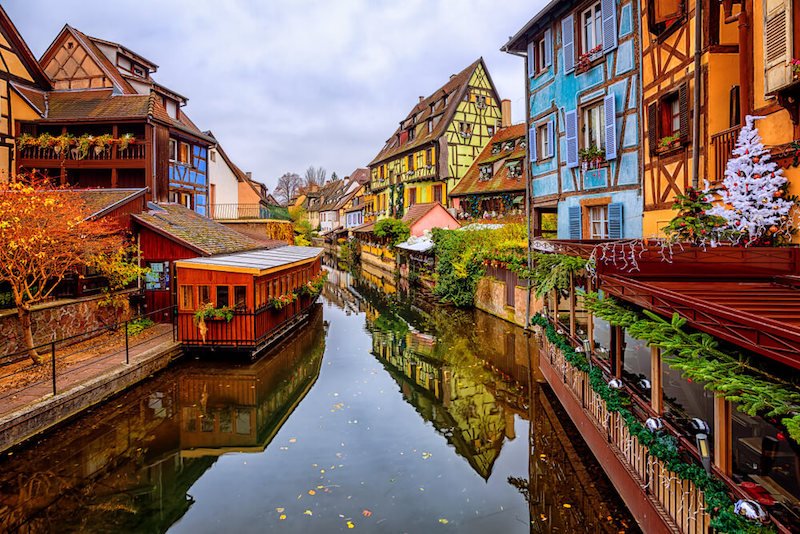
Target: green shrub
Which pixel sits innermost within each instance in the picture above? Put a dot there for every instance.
(137, 326)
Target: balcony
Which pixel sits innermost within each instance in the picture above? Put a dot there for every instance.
(723, 143)
(36, 156)
(237, 212)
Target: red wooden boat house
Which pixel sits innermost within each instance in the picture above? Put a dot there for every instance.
(248, 300)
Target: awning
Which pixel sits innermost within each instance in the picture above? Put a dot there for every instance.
(416, 244)
(365, 228)
(257, 262)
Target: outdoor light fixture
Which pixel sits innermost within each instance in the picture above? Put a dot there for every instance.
(587, 349)
(654, 424)
(644, 384)
(546, 312)
(703, 447)
(615, 383)
(751, 510)
(699, 426)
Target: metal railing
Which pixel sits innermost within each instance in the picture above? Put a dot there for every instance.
(70, 361)
(723, 143)
(239, 211)
(680, 499)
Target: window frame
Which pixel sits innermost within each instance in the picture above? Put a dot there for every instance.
(173, 150)
(185, 290)
(543, 140)
(596, 18)
(217, 299)
(188, 153)
(236, 289)
(598, 214)
(540, 55)
(583, 136)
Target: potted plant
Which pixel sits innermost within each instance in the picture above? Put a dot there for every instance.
(669, 142)
(591, 157)
(281, 301)
(208, 312)
(126, 140)
(101, 143)
(585, 60)
(795, 64)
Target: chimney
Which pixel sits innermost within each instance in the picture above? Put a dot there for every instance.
(421, 98)
(249, 175)
(505, 113)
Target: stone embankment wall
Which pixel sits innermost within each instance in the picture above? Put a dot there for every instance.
(57, 320)
(492, 298)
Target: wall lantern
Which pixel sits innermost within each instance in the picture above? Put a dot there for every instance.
(704, 449)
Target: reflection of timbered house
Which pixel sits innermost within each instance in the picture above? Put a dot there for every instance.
(455, 122)
(113, 124)
(584, 135)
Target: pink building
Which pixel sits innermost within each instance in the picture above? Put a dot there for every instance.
(421, 217)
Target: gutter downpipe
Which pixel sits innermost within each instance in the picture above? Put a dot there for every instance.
(698, 53)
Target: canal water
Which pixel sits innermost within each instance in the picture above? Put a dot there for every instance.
(383, 414)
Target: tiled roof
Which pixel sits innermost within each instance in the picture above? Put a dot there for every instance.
(417, 212)
(36, 97)
(95, 104)
(101, 201)
(360, 175)
(108, 68)
(203, 235)
(453, 89)
(471, 183)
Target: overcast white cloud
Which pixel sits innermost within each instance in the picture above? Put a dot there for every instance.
(284, 85)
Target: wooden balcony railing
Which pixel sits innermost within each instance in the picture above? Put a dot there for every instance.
(229, 212)
(680, 499)
(723, 144)
(134, 151)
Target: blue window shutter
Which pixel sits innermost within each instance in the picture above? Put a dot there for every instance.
(548, 47)
(571, 127)
(574, 222)
(610, 116)
(609, 9)
(551, 139)
(531, 59)
(532, 142)
(615, 220)
(568, 43)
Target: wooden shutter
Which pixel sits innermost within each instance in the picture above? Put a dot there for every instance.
(652, 127)
(574, 215)
(551, 141)
(683, 100)
(615, 220)
(610, 116)
(568, 43)
(665, 10)
(532, 143)
(609, 10)
(548, 47)
(531, 59)
(777, 44)
(571, 127)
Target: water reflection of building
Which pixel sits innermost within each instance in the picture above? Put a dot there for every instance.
(130, 465)
(454, 380)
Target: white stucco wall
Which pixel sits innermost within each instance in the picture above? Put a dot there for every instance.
(226, 190)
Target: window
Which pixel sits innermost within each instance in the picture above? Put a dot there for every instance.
(540, 55)
(514, 168)
(592, 28)
(222, 296)
(486, 171)
(213, 155)
(430, 125)
(593, 131)
(664, 15)
(240, 296)
(173, 150)
(203, 295)
(490, 131)
(410, 162)
(411, 134)
(184, 154)
(465, 129)
(187, 297)
(437, 193)
(157, 279)
(382, 172)
(543, 136)
(412, 196)
(598, 222)
(429, 157)
(480, 101)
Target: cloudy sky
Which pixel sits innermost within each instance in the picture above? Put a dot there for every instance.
(284, 85)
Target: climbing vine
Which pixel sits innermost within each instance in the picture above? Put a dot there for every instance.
(698, 358)
(659, 445)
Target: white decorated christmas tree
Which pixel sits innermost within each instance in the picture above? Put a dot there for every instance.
(754, 199)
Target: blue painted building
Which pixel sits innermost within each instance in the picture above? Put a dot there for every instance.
(582, 67)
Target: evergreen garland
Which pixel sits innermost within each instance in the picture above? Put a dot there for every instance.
(698, 358)
(659, 445)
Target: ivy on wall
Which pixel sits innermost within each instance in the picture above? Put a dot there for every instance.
(659, 445)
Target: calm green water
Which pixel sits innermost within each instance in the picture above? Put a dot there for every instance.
(378, 416)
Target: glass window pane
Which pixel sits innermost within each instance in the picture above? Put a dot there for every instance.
(222, 296)
(636, 369)
(240, 296)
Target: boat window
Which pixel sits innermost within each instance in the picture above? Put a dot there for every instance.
(636, 362)
(240, 296)
(686, 403)
(222, 296)
(187, 297)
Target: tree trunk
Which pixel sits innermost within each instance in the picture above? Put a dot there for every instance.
(24, 315)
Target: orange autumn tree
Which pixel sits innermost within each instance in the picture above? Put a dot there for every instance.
(45, 234)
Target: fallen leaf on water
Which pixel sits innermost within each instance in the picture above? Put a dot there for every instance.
(279, 510)
(282, 517)
(292, 440)
(566, 505)
(308, 512)
(443, 521)
(312, 492)
(350, 524)
(426, 455)
(366, 513)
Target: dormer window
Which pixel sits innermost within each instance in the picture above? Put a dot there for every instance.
(496, 148)
(514, 168)
(486, 172)
(139, 71)
(411, 134)
(508, 145)
(430, 125)
(480, 101)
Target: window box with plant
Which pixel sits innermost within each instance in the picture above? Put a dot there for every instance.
(585, 61)
(281, 301)
(592, 157)
(669, 142)
(208, 312)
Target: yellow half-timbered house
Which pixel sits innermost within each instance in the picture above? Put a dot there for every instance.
(22, 84)
(435, 144)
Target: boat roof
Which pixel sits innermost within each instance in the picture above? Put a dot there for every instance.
(256, 262)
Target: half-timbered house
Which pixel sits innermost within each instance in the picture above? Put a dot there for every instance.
(436, 143)
(582, 64)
